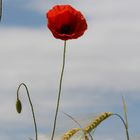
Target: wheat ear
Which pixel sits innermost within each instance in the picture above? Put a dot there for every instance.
(70, 133)
(97, 121)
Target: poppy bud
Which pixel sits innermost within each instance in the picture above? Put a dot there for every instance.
(18, 106)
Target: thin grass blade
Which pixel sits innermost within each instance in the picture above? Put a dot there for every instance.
(125, 111)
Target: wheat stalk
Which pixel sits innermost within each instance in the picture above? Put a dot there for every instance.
(85, 134)
(97, 121)
(88, 128)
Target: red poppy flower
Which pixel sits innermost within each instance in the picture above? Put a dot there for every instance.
(65, 22)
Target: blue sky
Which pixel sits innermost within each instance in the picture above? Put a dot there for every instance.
(101, 66)
(16, 15)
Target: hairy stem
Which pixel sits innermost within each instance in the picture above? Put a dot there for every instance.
(59, 92)
(32, 109)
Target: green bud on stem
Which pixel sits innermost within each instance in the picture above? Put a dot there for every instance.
(18, 106)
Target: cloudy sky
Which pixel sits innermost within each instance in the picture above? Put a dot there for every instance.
(101, 66)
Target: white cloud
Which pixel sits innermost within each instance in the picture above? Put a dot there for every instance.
(105, 59)
(101, 9)
(42, 6)
(110, 58)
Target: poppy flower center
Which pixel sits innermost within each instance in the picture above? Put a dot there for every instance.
(65, 29)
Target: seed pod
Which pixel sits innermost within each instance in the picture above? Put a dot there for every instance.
(18, 106)
(97, 121)
(70, 133)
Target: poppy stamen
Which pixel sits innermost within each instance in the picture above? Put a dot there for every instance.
(65, 29)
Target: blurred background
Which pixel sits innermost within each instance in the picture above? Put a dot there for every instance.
(101, 66)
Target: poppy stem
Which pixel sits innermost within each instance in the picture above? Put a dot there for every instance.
(59, 91)
(0, 9)
(32, 109)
